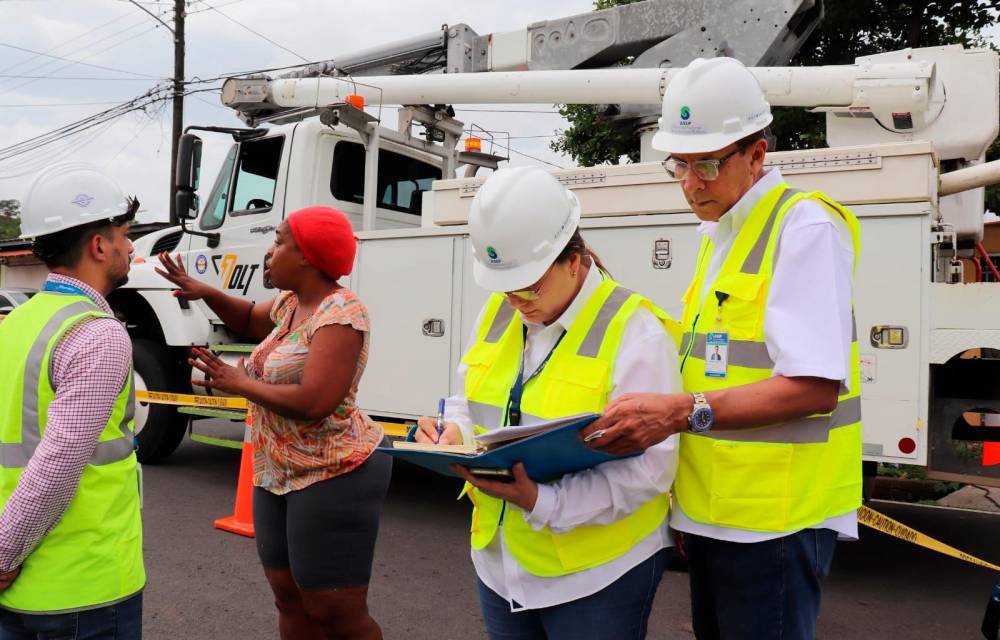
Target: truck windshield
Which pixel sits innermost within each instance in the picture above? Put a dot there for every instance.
(251, 189)
(215, 207)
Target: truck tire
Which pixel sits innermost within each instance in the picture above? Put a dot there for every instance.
(159, 429)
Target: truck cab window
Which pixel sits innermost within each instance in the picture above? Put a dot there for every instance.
(256, 175)
(401, 183)
(251, 190)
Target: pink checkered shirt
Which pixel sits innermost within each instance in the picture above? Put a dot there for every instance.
(89, 366)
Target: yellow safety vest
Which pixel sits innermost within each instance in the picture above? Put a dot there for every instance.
(93, 556)
(784, 477)
(576, 379)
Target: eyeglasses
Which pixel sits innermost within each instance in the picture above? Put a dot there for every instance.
(706, 169)
(528, 295)
(533, 292)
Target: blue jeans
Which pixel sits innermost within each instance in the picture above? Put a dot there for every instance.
(619, 611)
(121, 621)
(761, 590)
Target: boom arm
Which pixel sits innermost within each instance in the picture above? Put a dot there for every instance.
(947, 95)
(654, 33)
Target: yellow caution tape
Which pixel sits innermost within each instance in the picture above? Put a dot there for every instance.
(190, 400)
(217, 402)
(395, 429)
(871, 518)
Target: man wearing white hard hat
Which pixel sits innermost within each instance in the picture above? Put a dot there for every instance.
(770, 456)
(580, 557)
(70, 528)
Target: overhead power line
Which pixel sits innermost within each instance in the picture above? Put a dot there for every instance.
(153, 15)
(85, 48)
(256, 33)
(155, 95)
(89, 78)
(63, 44)
(221, 6)
(86, 64)
(56, 104)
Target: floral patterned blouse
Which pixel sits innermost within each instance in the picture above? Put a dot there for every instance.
(292, 454)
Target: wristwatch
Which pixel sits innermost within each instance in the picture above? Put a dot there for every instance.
(701, 418)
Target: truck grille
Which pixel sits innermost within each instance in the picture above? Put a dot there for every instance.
(168, 242)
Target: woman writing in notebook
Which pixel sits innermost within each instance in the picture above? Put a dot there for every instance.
(318, 483)
(580, 557)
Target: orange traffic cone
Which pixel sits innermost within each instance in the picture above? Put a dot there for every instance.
(991, 450)
(991, 453)
(241, 521)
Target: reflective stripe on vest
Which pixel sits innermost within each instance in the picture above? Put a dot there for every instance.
(17, 454)
(92, 557)
(782, 477)
(577, 379)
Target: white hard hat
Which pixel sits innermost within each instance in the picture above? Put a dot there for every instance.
(520, 221)
(69, 194)
(709, 105)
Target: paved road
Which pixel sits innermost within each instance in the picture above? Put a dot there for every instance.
(204, 583)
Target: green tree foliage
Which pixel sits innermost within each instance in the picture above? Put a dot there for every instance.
(10, 219)
(849, 29)
(852, 29)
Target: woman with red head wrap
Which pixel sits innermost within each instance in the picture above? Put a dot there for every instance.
(318, 483)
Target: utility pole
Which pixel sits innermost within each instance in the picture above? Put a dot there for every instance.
(178, 127)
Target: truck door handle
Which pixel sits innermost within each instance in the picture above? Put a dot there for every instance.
(661, 254)
(433, 327)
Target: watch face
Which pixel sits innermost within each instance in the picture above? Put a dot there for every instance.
(702, 419)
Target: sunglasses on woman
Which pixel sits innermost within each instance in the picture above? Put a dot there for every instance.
(533, 292)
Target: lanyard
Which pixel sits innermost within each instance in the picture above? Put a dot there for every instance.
(514, 400)
(61, 287)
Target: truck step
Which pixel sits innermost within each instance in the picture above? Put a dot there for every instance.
(232, 348)
(206, 412)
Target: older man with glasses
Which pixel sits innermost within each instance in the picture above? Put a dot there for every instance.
(770, 455)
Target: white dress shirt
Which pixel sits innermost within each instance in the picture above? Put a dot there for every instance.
(646, 361)
(808, 321)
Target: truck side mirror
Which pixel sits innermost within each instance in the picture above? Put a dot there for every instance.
(188, 162)
(188, 175)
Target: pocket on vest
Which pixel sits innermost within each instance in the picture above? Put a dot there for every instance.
(586, 547)
(575, 384)
(743, 310)
(479, 360)
(750, 478)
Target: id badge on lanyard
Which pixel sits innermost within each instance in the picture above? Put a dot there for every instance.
(716, 354)
(717, 345)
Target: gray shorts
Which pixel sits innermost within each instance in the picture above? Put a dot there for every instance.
(325, 533)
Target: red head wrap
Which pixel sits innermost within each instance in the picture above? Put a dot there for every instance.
(325, 238)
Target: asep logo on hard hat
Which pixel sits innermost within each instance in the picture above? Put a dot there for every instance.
(685, 116)
(492, 254)
(82, 200)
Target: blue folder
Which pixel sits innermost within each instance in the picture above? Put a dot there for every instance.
(546, 456)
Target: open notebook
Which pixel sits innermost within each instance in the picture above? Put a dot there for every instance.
(497, 437)
(549, 450)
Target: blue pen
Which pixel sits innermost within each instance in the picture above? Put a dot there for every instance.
(440, 420)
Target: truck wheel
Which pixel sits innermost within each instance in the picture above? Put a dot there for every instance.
(159, 429)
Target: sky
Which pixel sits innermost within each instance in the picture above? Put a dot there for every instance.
(138, 53)
(124, 52)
